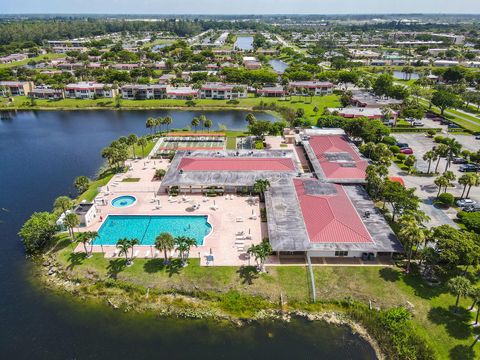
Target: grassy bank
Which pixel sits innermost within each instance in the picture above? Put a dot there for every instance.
(318, 102)
(448, 333)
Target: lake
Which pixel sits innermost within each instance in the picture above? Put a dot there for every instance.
(244, 43)
(40, 155)
(401, 75)
(278, 65)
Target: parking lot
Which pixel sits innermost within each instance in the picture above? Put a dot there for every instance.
(426, 189)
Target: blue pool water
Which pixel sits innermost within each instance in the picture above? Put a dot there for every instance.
(146, 228)
(123, 201)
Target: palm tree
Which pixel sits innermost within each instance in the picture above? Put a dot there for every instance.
(474, 181)
(475, 295)
(85, 238)
(64, 203)
(131, 141)
(410, 234)
(464, 180)
(250, 118)
(164, 242)
(150, 124)
(261, 185)
(183, 245)
(453, 148)
(441, 151)
(158, 122)
(260, 252)
(167, 121)
(71, 221)
(142, 142)
(195, 123)
(459, 286)
(430, 156)
(441, 182)
(208, 124)
(124, 245)
(202, 119)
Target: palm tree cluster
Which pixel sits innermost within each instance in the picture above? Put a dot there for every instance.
(182, 244)
(153, 123)
(202, 121)
(260, 252)
(126, 246)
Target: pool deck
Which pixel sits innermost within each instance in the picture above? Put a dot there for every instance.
(228, 217)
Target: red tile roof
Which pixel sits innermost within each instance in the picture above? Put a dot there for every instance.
(331, 218)
(325, 145)
(236, 164)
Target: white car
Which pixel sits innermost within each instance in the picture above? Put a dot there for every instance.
(418, 123)
(465, 202)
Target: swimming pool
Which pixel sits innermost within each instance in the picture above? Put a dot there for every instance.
(124, 201)
(146, 228)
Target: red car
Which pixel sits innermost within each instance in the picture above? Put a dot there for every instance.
(406, 151)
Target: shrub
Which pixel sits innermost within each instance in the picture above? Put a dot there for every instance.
(389, 140)
(471, 221)
(38, 231)
(446, 199)
(160, 173)
(395, 149)
(431, 132)
(259, 145)
(401, 157)
(439, 139)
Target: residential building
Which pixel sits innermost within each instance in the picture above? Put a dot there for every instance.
(272, 91)
(12, 58)
(366, 99)
(183, 93)
(47, 93)
(356, 112)
(89, 90)
(144, 92)
(318, 87)
(222, 91)
(124, 66)
(15, 88)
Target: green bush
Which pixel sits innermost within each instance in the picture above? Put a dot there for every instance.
(389, 140)
(259, 145)
(446, 199)
(401, 157)
(471, 221)
(395, 149)
(439, 139)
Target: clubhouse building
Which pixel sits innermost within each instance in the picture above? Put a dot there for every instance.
(322, 213)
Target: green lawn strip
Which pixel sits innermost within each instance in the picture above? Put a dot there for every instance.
(453, 115)
(447, 332)
(39, 58)
(319, 102)
(92, 191)
(130, 180)
(148, 149)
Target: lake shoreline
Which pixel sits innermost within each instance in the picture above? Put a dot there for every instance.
(50, 275)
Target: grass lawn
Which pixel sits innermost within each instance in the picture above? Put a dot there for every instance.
(454, 116)
(319, 102)
(450, 334)
(37, 59)
(92, 191)
(148, 148)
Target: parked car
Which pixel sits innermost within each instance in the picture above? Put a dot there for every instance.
(444, 121)
(472, 208)
(465, 202)
(459, 160)
(418, 123)
(477, 137)
(402, 145)
(406, 151)
(468, 168)
(453, 126)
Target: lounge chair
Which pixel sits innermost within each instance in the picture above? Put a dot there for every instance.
(115, 253)
(240, 237)
(239, 242)
(240, 233)
(135, 254)
(147, 253)
(158, 207)
(239, 219)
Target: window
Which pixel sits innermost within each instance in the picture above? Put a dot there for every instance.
(341, 253)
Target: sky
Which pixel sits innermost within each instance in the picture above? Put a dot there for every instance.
(238, 6)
